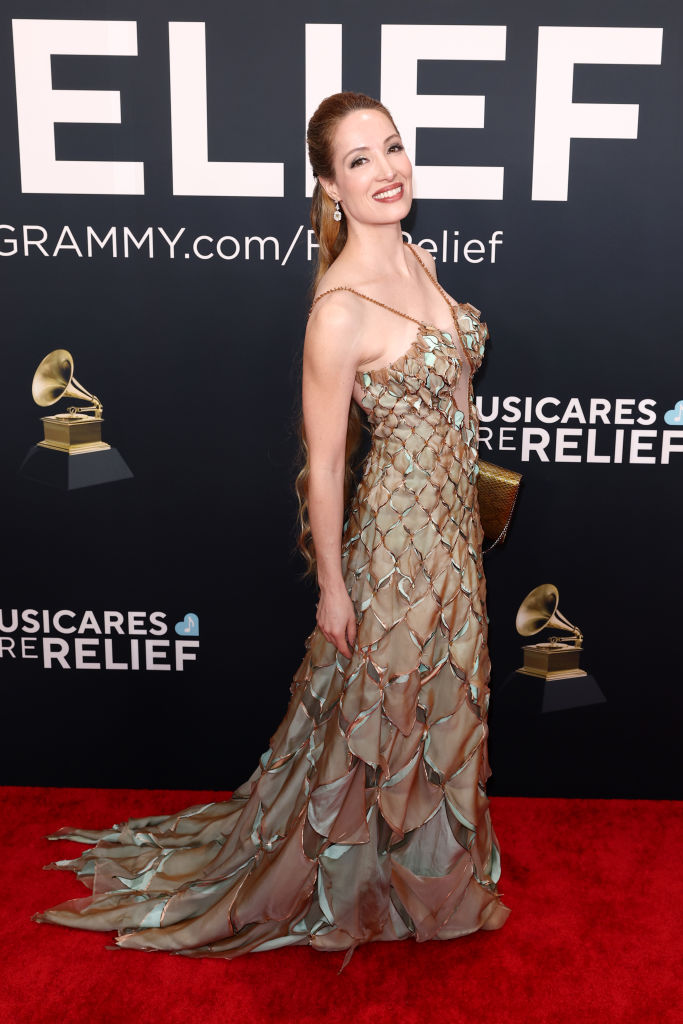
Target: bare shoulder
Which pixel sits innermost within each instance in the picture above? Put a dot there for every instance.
(332, 310)
(331, 333)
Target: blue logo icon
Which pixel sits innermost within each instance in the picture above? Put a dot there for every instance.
(673, 416)
(189, 626)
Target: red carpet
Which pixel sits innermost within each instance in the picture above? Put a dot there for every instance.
(594, 934)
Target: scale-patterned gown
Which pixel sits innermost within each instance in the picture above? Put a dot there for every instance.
(367, 818)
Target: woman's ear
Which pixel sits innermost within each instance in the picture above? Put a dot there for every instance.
(328, 185)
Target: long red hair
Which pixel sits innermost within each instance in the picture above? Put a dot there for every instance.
(331, 235)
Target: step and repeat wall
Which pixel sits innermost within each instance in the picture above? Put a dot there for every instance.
(155, 248)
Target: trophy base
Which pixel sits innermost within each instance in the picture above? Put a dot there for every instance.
(528, 694)
(552, 661)
(74, 433)
(72, 471)
(79, 449)
(539, 673)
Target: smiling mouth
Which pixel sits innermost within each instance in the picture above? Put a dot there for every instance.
(389, 193)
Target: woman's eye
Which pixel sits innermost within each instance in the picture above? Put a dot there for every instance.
(395, 147)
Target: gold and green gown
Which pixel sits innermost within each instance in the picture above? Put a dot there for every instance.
(367, 818)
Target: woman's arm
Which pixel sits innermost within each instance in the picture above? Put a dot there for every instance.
(329, 365)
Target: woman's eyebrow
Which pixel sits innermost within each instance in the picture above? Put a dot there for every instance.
(358, 148)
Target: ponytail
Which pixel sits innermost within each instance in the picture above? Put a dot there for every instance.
(331, 235)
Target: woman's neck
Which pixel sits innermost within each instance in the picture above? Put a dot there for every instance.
(375, 251)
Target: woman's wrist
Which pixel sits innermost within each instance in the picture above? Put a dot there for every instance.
(328, 584)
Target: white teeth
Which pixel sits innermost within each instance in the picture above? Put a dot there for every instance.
(390, 192)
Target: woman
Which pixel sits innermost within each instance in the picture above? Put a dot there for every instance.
(367, 819)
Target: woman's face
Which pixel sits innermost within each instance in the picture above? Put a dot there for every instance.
(373, 174)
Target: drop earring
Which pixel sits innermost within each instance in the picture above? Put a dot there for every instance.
(337, 212)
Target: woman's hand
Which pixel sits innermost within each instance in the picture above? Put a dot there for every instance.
(337, 618)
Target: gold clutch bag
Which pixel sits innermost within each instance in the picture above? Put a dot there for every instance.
(498, 489)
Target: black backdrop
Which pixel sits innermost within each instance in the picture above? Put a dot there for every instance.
(197, 363)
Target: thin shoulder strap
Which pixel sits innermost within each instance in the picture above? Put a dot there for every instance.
(452, 308)
(432, 279)
(347, 288)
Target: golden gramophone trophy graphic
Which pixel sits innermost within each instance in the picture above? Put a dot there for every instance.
(551, 678)
(72, 453)
(556, 660)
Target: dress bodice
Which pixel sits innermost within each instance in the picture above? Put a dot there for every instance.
(425, 379)
(432, 380)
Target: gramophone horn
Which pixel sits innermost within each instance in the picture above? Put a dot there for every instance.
(54, 379)
(539, 609)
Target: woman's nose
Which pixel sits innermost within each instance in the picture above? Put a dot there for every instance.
(384, 168)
